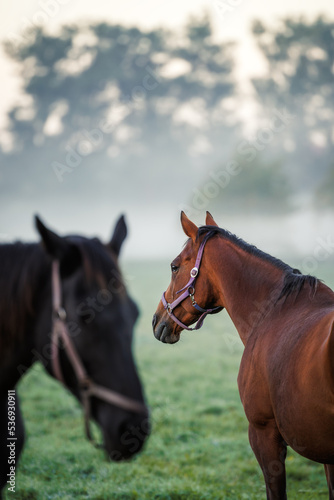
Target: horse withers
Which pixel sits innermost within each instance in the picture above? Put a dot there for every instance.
(285, 321)
(65, 303)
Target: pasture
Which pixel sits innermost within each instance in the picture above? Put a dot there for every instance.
(199, 444)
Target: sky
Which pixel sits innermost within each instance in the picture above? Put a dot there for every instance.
(231, 19)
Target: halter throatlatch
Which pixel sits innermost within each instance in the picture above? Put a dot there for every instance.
(87, 387)
(189, 291)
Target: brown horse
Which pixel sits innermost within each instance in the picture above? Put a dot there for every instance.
(285, 321)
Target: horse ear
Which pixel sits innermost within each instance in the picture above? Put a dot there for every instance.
(188, 227)
(59, 248)
(120, 233)
(210, 220)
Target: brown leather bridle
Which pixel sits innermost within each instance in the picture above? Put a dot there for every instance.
(87, 387)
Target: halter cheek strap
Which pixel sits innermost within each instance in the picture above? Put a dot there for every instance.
(87, 387)
(189, 291)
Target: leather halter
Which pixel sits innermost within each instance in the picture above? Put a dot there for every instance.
(189, 291)
(87, 387)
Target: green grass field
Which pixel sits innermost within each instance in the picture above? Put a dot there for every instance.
(199, 444)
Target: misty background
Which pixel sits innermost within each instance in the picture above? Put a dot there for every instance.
(115, 117)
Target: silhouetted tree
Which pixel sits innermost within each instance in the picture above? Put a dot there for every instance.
(118, 112)
(299, 79)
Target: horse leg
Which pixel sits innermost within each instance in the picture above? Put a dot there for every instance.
(10, 448)
(329, 469)
(270, 451)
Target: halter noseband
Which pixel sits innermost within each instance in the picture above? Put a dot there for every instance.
(189, 291)
(87, 387)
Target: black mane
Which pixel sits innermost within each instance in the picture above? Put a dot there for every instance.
(22, 267)
(98, 261)
(294, 280)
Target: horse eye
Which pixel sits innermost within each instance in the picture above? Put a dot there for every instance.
(174, 268)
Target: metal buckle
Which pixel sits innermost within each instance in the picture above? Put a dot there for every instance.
(194, 272)
(60, 314)
(85, 384)
(191, 291)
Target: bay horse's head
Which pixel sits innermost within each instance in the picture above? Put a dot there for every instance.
(192, 293)
(94, 319)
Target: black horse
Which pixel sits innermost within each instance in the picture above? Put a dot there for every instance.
(100, 317)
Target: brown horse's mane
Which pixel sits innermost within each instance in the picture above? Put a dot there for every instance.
(294, 280)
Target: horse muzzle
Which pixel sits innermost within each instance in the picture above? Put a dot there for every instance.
(163, 332)
(130, 438)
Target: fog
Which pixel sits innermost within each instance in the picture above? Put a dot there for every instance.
(110, 118)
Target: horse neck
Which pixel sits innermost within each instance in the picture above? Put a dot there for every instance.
(25, 281)
(248, 285)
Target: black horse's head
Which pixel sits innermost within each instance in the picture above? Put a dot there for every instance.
(100, 317)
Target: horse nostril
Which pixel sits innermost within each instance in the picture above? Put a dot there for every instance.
(154, 321)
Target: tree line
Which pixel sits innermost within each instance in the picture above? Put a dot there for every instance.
(148, 114)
